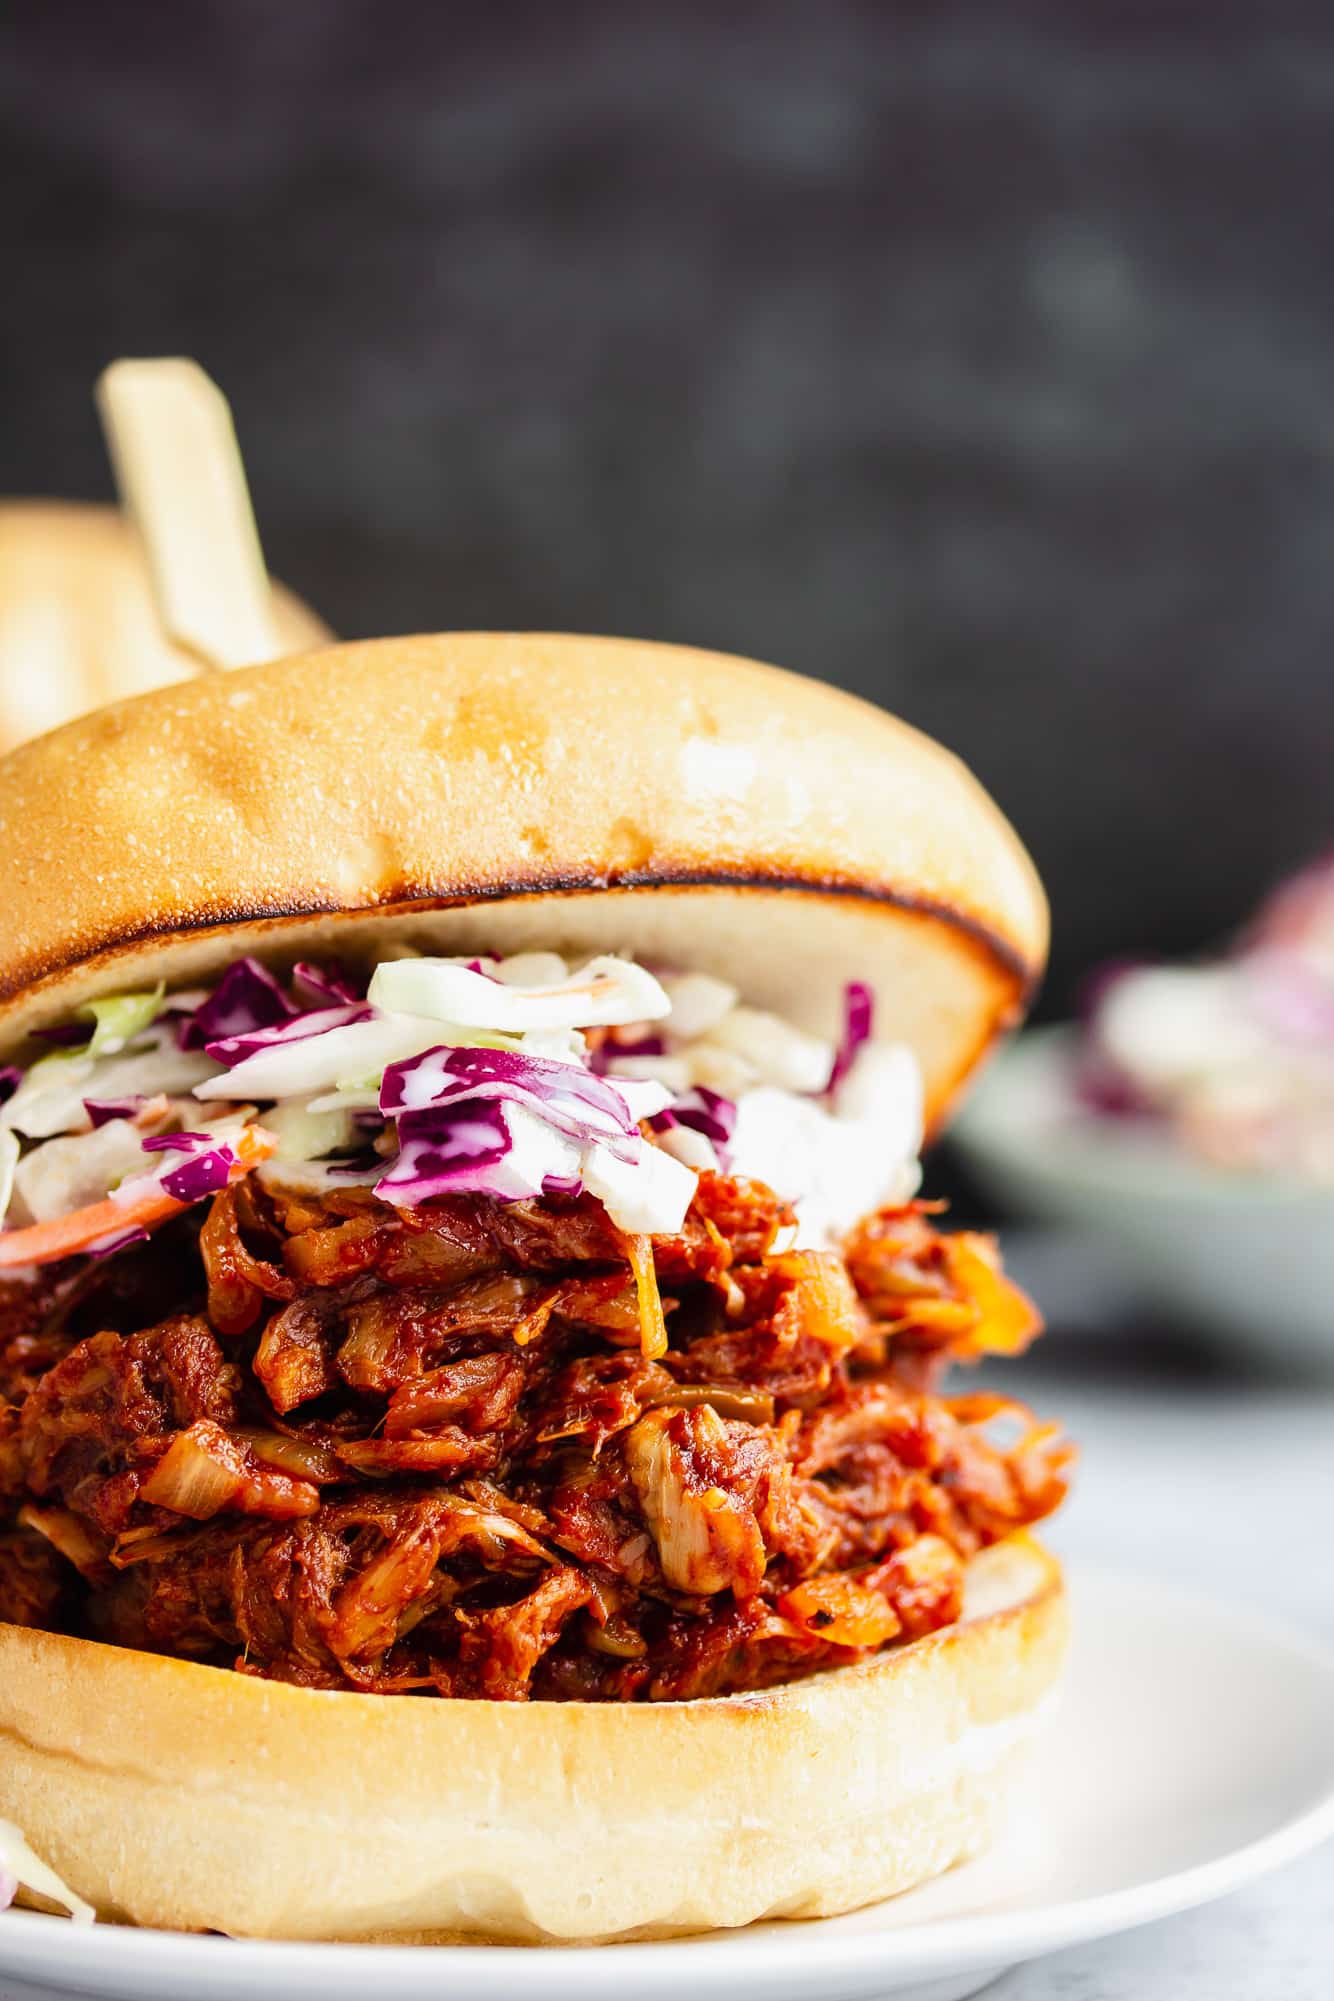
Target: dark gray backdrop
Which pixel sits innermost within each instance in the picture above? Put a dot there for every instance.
(978, 358)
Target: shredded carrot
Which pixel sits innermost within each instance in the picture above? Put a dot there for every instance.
(842, 1610)
(828, 1306)
(151, 1110)
(1005, 1319)
(652, 1326)
(44, 1243)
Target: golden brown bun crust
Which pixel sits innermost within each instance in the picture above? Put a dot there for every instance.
(77, 624)
(193, 1797)
(677, 801)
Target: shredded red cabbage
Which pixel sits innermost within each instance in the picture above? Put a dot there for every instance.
(182, 1023)
(572, 1100)
(704, 1111)
(119, 1240)
(453, 1134)
(447, 1150)
(204, 1175)
(610, 1052)
(234, 1049)
(103, 1110)
(207, 1168)
(66, 1034)
(326, 986)
(10, 1079)
(246, 998)
(1102, 1088)
(858, 1023)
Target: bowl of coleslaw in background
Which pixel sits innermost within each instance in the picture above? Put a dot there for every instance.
(1188, 1122)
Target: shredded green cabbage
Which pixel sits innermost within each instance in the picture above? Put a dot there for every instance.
(119, 1018)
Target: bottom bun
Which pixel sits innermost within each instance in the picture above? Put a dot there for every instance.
(192, 1797)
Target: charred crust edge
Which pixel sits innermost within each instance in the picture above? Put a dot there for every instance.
(1023, 974)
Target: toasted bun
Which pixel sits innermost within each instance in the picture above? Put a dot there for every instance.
(495, 791)
(77, 624)
(192, 1797)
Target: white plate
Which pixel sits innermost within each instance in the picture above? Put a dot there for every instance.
(1194, 1750)
(1245, 1258)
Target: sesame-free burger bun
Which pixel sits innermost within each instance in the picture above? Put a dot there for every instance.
(193, 1797)
(502, 791)
(77, 623)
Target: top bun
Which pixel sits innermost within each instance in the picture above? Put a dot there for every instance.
(503, 791)
(77, 623)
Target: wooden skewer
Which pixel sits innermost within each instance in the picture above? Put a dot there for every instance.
(178, 467)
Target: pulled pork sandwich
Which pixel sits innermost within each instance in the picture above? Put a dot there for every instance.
(473, 1454)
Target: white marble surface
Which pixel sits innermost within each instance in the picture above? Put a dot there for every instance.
(1194, 1473)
